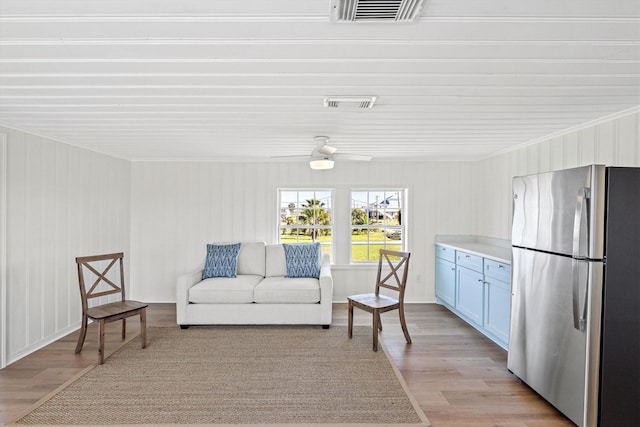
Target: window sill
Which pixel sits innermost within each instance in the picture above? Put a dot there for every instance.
(359, 266)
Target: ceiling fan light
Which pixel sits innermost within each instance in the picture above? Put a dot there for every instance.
(321, 164)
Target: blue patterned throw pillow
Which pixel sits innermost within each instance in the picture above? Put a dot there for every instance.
(302, 260)
(222, 261)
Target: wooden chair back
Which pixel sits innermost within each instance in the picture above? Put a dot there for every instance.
(91, 263)
(396, 278)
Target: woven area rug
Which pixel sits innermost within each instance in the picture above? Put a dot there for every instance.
(238, 375)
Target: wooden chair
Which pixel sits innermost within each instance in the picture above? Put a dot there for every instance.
(109, 312)
(376, 303)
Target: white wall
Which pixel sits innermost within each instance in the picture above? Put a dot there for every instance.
(177, 207)
(62, 202)
(3, 249)
(613, 143)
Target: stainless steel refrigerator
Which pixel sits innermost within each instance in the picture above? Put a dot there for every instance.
(575, 303)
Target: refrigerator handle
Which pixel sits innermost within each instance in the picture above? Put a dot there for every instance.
(579, 315)
(581, 201)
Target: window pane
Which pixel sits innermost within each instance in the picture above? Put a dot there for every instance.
(393, 234)
(359, 253)
(359, 204)
(288, 205)
(325, 243)
(325, 206)
(376, 235)
(289, 236)
(359, 217)
(304, 238)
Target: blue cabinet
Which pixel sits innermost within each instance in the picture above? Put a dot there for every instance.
(470, 301)
(477, 289)
(497, 309)
(446, 282)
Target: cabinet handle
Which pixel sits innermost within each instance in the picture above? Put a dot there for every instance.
(500, 266)
(453, 269)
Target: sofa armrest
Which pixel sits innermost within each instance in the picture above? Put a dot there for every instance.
(184, 283)
(326, 281)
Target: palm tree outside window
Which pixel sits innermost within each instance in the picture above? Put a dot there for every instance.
(306, 217)
(376, 223)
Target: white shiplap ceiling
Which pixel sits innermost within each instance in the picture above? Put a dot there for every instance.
(245, 79)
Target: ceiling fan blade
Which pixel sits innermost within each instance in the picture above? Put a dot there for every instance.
(354, 157)
(293, 157)
(324, 151)
(327, 150)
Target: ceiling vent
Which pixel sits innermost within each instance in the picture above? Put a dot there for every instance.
(375, 10)
(353, 101)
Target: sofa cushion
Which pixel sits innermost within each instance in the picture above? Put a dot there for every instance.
(303, 260)
(224, 290)
(251, 258)
(276, 290)
(221, 261)
(276, 265)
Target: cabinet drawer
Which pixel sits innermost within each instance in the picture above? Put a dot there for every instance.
(446, 253)
(497, 270)
(472, 262)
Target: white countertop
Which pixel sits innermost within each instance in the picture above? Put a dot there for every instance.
(496, 249)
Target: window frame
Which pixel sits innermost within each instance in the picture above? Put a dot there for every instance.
(330, 210)
(386, 227)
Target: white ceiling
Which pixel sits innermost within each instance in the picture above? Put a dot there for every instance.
(245, 79)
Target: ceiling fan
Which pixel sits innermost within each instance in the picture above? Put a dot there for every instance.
(324, 156)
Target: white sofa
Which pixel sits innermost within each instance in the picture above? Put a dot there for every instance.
(260, 294)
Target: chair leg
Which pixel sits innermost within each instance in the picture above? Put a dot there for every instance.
(404, 326)
(376, 328)
(143, 327)
(350, 316)
(83, 334)
(379, 322)
(101, 326)
(124, 328)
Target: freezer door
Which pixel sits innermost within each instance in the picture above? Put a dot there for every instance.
(546, 350)
(561, 212)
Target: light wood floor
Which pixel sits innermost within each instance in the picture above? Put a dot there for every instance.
(458, 377)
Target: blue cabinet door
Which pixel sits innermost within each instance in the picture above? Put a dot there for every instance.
(497, 309)
(470, 295)
(446, 282)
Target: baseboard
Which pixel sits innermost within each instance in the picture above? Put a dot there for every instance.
(42, 343)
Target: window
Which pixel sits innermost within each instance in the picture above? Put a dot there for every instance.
(306, 217)
(376, 223)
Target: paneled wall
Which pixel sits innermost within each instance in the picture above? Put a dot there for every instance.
(62, 202)
(613, 143)
(177, 207)
(3, 249)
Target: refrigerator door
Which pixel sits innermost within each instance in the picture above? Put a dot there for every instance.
(620, 365)
(546, 350)
(561, 212)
